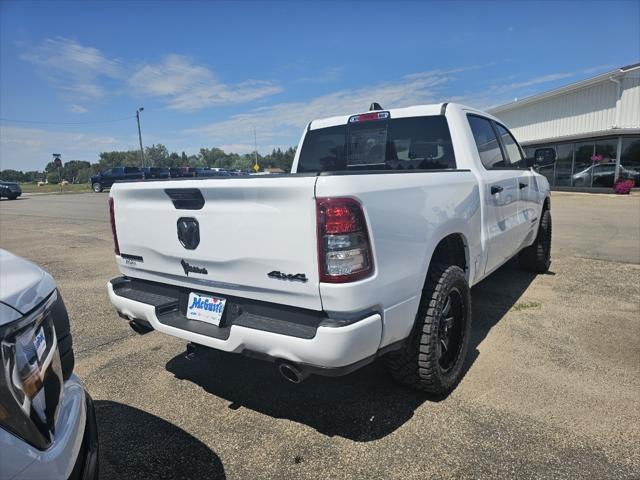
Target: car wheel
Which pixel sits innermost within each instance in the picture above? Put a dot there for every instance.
(433, 356)
(12, 197)
(537, 257)
(97, 187)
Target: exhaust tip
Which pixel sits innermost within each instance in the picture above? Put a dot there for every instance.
(292, 373)
(140, 327)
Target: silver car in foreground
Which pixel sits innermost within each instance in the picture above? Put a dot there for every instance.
(47, 420)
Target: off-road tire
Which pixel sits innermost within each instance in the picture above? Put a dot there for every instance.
(97, 187)
(417, 363)
(537, 257)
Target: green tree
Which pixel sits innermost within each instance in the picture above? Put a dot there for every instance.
(156, 156)
(12, 176)
(174, 160)
(84, 174)
(52, 177)
(72, 167)
(130, 158)
(33, 176)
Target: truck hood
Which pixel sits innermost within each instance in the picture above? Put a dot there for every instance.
(23, 284)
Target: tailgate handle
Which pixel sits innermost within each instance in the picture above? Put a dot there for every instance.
(185, 198)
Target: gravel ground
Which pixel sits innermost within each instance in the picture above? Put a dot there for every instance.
(551, 389)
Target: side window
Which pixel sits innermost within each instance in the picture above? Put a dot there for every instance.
(107, 172)
(133, 170)
(510, 145)
(487, 143)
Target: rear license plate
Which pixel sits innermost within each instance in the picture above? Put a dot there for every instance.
(205, 308)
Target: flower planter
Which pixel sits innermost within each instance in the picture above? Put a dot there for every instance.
(623, 187)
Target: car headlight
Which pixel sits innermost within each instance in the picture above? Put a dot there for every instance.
(31, 384)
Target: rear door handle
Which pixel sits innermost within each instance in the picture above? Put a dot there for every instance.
(523, 185)
(496, 189)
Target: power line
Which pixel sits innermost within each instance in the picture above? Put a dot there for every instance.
(66, 123)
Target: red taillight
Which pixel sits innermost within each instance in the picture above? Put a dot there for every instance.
(340, 219)
(112, 218)
(344, 250)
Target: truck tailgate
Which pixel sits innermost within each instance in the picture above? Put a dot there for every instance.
(248, 228)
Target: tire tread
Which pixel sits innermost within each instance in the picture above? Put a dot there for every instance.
(415, 365)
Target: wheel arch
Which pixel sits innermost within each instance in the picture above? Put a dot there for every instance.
(452, 249)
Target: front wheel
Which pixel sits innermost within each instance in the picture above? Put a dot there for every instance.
(12, 197)
(97, 187)
(537, 257)
(433, 356)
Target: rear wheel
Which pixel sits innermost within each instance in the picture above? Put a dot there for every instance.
(537, 257)
(433, 356)
(97, 187)
(12, 197)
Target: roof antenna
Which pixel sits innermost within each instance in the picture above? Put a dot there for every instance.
(375, 106)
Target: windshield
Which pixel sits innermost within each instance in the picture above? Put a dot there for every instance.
(415, 143)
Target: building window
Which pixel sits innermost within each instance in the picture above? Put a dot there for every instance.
(564, 165)
(582, 164)
(630, 159)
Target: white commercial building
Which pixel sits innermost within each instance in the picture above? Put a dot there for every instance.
(593, 126)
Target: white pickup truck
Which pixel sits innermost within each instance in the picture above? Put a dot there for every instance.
(367, 249)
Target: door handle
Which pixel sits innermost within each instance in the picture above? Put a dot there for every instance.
(523, 185)
(496, 189)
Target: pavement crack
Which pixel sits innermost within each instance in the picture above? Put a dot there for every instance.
(110, 342)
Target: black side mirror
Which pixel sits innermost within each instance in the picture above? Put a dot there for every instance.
(545, 156)
(530, 162)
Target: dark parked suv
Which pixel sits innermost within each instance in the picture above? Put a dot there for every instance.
(11, 190)
(156, 172)
(110, 176)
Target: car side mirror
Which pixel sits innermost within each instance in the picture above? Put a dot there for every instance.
(545, 157)
(530, 162)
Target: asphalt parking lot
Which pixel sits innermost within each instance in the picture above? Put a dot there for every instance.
(551, 390)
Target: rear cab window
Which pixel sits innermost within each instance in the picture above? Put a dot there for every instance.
(374, 141)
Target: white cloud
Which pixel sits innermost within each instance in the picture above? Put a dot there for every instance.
(31, 148)
(83, 72)
(73, 68)
(499, 94)
(535, 81)
(78, 109)
(278, 124)
(190, 87)
(598, 68)
(239, 147)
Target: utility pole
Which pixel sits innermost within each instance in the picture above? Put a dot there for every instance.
(140, 135)
(255, 144)
(255, 147)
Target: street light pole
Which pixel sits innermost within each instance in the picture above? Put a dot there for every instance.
(255, 144)
(140, 135)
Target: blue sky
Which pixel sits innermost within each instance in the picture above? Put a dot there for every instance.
(205, 72)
